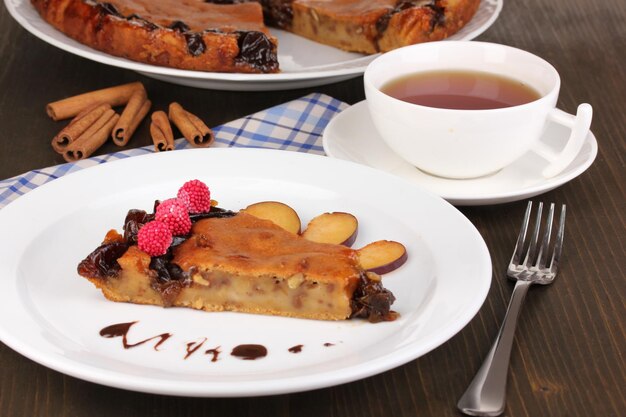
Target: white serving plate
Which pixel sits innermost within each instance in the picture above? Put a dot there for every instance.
(52, 316)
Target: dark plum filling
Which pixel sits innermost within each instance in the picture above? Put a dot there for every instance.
(134, 220)
(372, 301)
(108, 9)
(195, 43)
(179, 26)
(145, 23)
(275, 12)
(256, 49)
(437, 18)
(102, 262)
(278, 13)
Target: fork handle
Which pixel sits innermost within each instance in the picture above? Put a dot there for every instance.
(486, 395)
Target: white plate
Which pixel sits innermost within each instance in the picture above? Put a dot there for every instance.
(351, 136)
(304, 63)
(53, 316)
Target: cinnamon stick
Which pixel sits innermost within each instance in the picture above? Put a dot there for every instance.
(161, 132)
(71, 106)
(87, 110)
(130, 116)
(143, 112)
(78, 126)
(193, 129)
(92, 138)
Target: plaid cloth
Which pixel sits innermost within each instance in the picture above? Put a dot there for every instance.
(293, 126)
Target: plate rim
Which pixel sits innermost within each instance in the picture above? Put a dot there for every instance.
(111, 378)
(174, 73)
(487, 199)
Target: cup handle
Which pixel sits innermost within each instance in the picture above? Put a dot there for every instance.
(579, 125)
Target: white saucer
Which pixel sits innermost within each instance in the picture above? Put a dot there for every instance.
(351, 135)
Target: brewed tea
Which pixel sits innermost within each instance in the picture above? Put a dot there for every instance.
(462, 90)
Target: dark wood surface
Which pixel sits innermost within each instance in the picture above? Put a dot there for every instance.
(569, 351)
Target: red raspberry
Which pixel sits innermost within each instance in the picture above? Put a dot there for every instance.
(173, 213)
(154, 238)
(196, 196)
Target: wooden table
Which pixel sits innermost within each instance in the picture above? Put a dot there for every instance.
(569, 352)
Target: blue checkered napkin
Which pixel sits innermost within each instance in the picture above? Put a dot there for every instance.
(293, 126)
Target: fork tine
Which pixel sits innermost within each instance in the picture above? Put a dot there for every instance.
(545, 242)
(532, 248)
(519, 246)
(558, 246)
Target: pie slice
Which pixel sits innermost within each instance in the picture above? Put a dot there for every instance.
(191, 34)
(237, 262)
(371, 26)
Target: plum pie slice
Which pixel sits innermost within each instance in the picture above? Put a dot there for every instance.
(244, 261)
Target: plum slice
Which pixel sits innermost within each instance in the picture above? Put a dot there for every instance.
(382, 256)
(279, 213)
(339, 228)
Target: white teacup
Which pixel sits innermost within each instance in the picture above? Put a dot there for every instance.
(471, 143)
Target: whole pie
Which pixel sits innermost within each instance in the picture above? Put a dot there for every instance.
(234, 261)
(232, 36)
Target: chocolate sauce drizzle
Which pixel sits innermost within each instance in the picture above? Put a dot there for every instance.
(121, 330)
(249, 352)
(215, 352)
(244, 351)
(295, 349)
(193, 346)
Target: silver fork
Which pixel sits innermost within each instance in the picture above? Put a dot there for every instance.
(486, 394)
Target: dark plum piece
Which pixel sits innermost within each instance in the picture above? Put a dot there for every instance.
(257, 50)
(372, 301)
(133, 222)
(102, 262)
